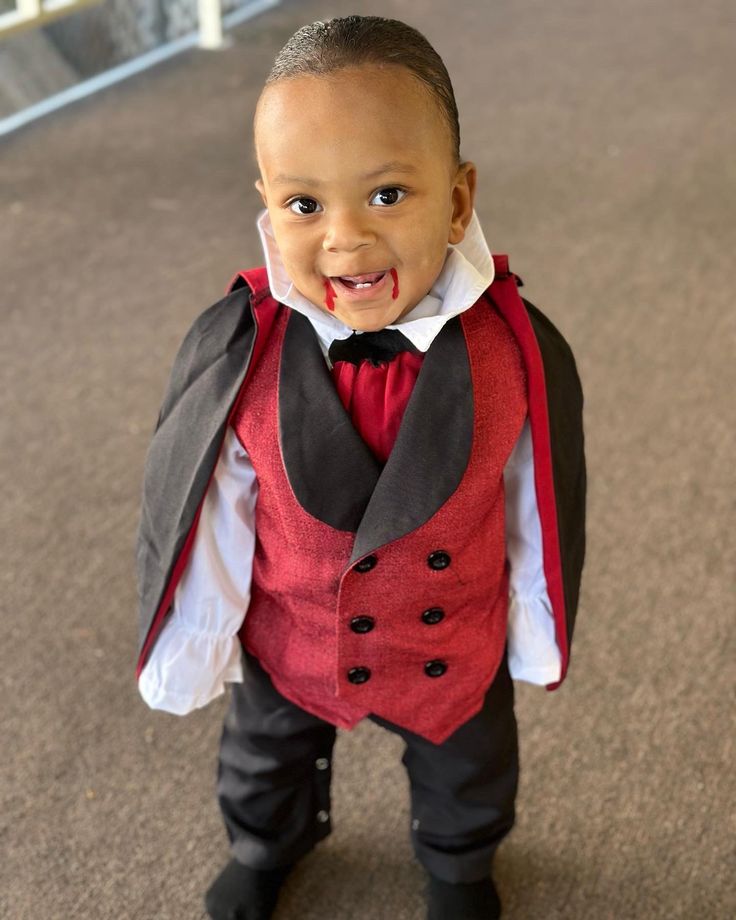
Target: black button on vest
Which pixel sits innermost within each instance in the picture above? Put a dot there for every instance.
(433, 615)
(362, 624)
(365, 565)
(438, 560)
(435, 668)
(359, 675)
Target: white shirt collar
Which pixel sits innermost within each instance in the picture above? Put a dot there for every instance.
(467, 272)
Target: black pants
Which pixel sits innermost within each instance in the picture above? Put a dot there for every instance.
(275, 769)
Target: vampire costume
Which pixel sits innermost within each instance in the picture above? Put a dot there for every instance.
(378, 589)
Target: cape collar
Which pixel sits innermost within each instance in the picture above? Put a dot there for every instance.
(467, 272)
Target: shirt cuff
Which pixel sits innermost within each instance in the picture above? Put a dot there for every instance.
(190, 669)
(533, 655)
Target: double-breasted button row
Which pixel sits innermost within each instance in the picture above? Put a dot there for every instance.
(364, 624)
(434, 668)
(437, 560)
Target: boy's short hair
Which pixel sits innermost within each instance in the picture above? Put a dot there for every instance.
(324, 47)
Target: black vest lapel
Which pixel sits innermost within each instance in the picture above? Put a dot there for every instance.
(432, 449)
(330, 469)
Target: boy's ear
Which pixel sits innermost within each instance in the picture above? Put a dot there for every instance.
(463, 196)
(262, 191)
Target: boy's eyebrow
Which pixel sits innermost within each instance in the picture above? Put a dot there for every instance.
(393, 166)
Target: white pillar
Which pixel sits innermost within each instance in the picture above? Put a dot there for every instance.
(210, 24)
(29, 8)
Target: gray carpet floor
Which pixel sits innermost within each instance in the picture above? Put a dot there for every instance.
(605, 138)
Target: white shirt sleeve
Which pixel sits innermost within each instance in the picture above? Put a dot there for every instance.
(198, 650)
(533, 654)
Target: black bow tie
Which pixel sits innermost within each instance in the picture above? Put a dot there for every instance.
(376, 347)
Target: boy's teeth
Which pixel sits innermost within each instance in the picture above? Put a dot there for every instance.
(359, 282)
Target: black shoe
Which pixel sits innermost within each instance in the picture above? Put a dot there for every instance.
(242, 893)
(463, 901)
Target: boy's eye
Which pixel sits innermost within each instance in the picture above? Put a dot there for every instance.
(304, 206)
(385, 197)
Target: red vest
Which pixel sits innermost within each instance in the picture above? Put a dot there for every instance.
(414, 631)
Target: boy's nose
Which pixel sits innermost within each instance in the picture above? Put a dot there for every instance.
(346, 233)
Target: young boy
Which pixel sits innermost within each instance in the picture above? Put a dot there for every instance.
(365, 495)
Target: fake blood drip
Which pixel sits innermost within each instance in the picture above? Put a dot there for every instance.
(329, 295)
(395, 276)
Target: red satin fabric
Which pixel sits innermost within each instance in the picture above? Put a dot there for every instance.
(376, 397)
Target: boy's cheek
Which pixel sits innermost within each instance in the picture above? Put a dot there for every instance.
(292, 245)
(294, 263)
(298, 252)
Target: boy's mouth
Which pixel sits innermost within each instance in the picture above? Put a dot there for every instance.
(355, 288)
(360, 282)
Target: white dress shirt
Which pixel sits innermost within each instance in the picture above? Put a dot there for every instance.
(199, 651)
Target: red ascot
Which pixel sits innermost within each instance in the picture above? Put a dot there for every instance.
(375, 373)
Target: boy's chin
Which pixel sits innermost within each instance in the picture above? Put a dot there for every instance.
(363, 322)
(368, 318)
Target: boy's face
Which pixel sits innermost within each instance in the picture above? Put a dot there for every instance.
(362, 189)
